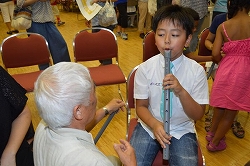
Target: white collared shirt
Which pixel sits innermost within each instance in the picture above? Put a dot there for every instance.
(66, 147)
(148, 85)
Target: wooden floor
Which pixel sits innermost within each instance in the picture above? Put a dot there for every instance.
(130, 52)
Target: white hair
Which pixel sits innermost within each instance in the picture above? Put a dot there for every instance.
(59, 89)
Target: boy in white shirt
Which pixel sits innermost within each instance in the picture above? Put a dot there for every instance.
(173, 31)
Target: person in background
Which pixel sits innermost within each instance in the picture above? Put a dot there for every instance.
(237, 128)
(122, 18)
(144, 18)
(173, 28)
(201, 7)
(232, 76)
(56, 13)
(67, 115)
(7, 10)
(220, 6)
(187, 52)
(131, 10)
(43, 23)
(161, 3)
(15, 120)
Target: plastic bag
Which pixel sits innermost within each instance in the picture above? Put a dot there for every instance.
(21, 18)
(107, 15)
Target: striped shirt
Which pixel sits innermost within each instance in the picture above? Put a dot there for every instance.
(41, 11)
(200, 6)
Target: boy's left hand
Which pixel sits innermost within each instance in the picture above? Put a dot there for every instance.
(160, 134)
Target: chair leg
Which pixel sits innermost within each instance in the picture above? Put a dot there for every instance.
(210, 70)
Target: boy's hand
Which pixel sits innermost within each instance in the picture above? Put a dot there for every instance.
(171, 82)
(160, 134)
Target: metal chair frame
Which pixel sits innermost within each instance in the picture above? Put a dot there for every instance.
(18, 51)
(100, 46)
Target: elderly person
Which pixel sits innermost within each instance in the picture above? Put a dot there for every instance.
(66, 100)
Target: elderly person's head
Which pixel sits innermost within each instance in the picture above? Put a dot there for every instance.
(64, 93)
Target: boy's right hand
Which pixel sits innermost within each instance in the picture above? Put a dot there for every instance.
(171, 82)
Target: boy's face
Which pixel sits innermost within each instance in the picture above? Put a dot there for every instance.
(170, 37)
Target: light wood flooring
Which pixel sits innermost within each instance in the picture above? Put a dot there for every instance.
(130, 53)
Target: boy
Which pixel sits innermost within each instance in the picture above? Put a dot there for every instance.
(187, 51)
(173, 31)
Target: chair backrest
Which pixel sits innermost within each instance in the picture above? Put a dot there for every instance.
(203, 51)
(85, 45)
(24, 49)
(149, 47)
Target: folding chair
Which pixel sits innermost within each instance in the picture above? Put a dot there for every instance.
(149, 47)
(25, 50)
(100, 45)
(202, 49)
(132, 122)
(130, 103)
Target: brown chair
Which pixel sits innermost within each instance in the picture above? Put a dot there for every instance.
(149, 47)
(202, 49)
(25, 50)
(100, 45)
(130, 103)
(132, 122)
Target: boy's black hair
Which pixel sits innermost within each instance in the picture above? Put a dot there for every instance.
(177, 14)
(233, 6)
(193, 13)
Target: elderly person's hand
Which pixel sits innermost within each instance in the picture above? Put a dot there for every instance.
(114, 105)
(126, 153)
